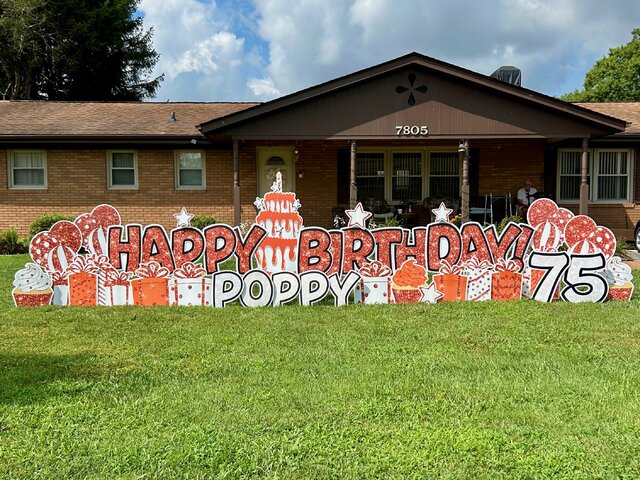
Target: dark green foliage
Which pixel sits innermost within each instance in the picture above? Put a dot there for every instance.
(45, 222)
(11, 244)
(201, 221)
(506, 221)
(614, 78)
(75, 50)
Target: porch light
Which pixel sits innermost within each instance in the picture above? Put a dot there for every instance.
(296, 154)
(463, 145)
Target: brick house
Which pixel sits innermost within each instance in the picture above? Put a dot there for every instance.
(394, 128)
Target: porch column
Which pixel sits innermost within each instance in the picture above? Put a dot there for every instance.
(464, 147)
(236, 183)
(584, 183)
(353, 190)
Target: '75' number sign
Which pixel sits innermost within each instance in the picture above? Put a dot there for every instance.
(580, 274)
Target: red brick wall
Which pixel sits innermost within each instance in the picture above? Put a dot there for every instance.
(78, 181)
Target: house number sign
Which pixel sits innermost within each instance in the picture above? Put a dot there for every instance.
(412, 130)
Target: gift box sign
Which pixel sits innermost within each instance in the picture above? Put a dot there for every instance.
(118, 295)
(83, 289)
(150, 291)
(370, 291)
(506, 286)
(190, 291)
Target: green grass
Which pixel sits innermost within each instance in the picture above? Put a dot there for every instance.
(509, 390)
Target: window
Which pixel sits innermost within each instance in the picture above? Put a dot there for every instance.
(609, 175)
(407, 175)
(613, 175)
(444, 174)
(190, 172)
(370, 175)
(123, 169)
(28, 169)
(406, 184)
(571, 174)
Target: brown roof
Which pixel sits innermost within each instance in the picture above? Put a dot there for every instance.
(628, 111)
(98, 119)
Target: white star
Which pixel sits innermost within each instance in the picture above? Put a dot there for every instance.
(259, 203)
(183, 218)
(358, 216)
(442, 213)
(430, 294)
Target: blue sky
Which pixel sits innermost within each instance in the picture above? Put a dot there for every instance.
(257, 50)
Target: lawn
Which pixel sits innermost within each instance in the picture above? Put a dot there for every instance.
(509, 390)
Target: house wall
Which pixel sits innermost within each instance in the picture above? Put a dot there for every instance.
(77, 182)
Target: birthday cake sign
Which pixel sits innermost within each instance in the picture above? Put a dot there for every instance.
(97, 260)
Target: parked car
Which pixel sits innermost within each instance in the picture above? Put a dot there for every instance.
(636, 236)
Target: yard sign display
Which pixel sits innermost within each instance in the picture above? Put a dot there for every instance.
(556, 256)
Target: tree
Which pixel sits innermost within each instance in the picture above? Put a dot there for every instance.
(614, 78)
(75, 50)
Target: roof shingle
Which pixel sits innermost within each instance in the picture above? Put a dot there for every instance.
(628, 111)
(109, 118)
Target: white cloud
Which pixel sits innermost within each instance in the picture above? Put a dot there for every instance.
(550, 40)
(207, 56)
(200, 54)
(263, 88)
(257, 49)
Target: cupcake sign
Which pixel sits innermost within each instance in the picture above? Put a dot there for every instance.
(98, 260)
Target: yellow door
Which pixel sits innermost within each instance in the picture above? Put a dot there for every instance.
(272, 161)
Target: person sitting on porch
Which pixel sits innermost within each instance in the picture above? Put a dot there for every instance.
(526, 196)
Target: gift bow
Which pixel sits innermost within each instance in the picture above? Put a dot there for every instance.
(152, 270)
(375, 269)
(503, 265)
(59, 278)
(475, 264)
(101, 262)
(82, 264)
(189, 270)
(446, 268)
(115, 278)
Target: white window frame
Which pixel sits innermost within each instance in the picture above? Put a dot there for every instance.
(110, 184)
(10, 165)
(593, 176)
(426, 162)
(203, 186)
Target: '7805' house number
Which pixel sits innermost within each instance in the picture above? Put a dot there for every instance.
(411, 130)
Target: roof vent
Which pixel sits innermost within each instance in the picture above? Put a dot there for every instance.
(507, 74)
(173, 117)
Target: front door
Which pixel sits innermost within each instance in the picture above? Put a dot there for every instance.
(272, 161)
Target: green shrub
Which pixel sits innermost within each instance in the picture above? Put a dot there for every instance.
(45, 222)
(11, 244)
(506, 220)
(202, 221)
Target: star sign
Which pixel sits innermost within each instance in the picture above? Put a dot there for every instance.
(183, 218)
(442, 213)
(430, 294)
(358, 216)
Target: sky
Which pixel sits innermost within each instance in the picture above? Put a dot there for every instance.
(257, 50)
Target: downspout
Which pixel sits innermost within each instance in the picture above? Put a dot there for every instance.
(236, 183)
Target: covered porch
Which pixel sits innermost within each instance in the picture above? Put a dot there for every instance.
(404, 131)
